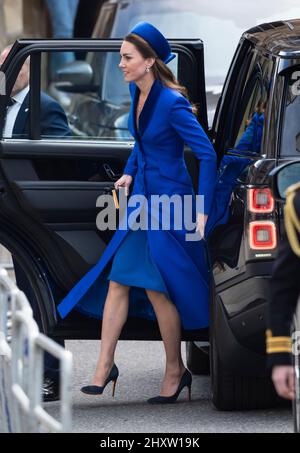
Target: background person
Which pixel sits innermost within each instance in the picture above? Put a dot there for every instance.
(62, 14)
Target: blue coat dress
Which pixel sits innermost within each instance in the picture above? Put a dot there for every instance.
(163, 259)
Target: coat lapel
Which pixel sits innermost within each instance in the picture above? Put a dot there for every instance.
(20, 123)
(148, 108)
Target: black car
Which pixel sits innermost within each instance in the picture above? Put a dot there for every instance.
(49, 187)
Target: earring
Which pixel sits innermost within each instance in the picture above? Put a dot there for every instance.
(147, 69)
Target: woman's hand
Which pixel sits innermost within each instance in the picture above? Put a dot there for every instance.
(125, 182)
(201, 222)
(284, 380)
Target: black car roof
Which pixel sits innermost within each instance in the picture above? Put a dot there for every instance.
(280, 38)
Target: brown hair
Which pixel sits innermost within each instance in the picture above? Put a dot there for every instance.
(159, 68)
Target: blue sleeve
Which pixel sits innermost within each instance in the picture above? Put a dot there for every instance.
(54, 122)
(131, 165)
(188, 128)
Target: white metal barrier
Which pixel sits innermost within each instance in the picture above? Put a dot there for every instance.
(22, 349)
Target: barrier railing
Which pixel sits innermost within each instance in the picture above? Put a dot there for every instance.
(22, 349)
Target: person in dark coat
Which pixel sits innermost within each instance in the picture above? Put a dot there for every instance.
(285, 290)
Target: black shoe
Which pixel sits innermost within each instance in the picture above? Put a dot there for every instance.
(97, 390)
(185, 381)
(50, 390)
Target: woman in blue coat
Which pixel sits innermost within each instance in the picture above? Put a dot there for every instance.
(170, 272)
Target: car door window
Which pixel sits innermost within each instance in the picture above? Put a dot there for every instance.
(250, 115)
(85, 99)
(91, 93)
(290, 139)
(94, 97)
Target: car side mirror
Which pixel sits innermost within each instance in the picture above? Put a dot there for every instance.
(283, 177)
(75, 77)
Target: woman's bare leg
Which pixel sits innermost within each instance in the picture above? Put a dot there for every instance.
(114, 317)
(170, 330)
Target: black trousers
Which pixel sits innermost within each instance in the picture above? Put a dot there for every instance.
(51, 363)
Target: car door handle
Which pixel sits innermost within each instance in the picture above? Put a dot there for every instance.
(110, 173)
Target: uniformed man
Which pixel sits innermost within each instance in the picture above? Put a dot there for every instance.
(285, 290)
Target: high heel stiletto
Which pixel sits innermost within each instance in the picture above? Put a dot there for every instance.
(186, 381)
(97, 390)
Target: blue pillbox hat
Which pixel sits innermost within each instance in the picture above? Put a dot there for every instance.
(155, 39)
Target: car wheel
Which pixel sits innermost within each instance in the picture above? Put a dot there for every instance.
(234, 392)
(197, 358)
(30, 278)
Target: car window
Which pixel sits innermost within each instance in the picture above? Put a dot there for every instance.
(84, 99)
(290, 139)
(74, 104)
(250, 117)
(96, 107)
(78, 102)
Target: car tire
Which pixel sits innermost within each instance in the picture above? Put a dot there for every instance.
(197, 359)
(33, 278)
(234, 392)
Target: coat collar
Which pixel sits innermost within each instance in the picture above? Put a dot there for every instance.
(148, 108)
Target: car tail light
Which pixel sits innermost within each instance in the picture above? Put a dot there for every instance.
(260, 200)
(262, 235)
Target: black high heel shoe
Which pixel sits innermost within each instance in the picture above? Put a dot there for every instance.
(97, 390)
(185, 381)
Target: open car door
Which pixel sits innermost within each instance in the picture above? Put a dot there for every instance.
(52, 174)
